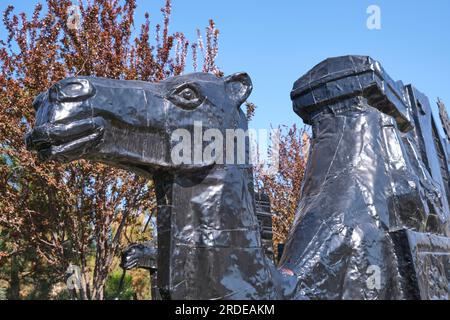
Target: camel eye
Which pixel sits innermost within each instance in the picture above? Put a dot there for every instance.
(186, 96)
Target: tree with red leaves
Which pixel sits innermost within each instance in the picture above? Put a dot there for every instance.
(55, 215)
(284, 187)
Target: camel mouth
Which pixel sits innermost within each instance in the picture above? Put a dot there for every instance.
(65, 142)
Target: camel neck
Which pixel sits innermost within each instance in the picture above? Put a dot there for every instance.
(203, 222)
(210, 209)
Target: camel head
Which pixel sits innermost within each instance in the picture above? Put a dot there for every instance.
(130, 124)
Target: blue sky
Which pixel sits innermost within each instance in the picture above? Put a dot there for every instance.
(278, 41)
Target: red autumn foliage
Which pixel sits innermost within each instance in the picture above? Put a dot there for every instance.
(68, 213)
(284, 187)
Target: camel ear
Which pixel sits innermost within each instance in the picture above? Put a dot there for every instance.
(240, 86)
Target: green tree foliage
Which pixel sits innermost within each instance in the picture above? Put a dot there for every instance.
(118, 288)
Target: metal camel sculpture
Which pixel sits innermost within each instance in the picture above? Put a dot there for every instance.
(209, 244)
(373, 219)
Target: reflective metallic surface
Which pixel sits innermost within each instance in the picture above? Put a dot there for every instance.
(373, 220)
(140, 255)
(376, 166)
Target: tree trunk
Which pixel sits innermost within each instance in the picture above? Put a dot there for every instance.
(14, 284)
